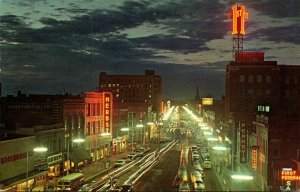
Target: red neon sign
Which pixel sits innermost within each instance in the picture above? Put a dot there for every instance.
(289, 176)
(107, 112)
(238, 20)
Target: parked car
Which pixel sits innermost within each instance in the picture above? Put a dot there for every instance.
(85, 187)
(132, 155)
(127, 187)
(126, 159)
(120, 163)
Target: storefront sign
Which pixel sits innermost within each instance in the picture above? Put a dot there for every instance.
(107, 112)
(53, 159)
(290, 175)
(254, 159)
(15, 157)
(243, 144)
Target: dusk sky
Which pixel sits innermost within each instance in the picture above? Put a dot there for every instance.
(51, 46)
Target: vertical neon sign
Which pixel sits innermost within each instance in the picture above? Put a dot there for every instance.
(107, 113)
(238, 20)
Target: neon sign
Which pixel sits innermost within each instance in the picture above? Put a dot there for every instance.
(254, 159)
(243, 144)
(107, 112)
(238, 20)
(289, 175)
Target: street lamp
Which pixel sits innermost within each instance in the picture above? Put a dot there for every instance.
(124, 129)
(77, 140)
(142, 134)
(242, 177)
(38, 150)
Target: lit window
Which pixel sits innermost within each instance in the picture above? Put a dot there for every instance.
(150, 96)
(109, 85)
(117, 95)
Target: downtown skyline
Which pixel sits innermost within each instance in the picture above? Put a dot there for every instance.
(47, 47)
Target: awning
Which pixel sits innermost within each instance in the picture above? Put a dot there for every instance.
(79, 155)
(22, 178)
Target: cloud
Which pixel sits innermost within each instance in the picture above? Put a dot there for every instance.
(279, 34)
(278, 8)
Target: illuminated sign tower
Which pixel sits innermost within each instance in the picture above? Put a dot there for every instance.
(239, 15)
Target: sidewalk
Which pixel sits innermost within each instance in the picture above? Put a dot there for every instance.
(94, 169)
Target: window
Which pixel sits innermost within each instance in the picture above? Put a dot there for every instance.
(268, 92)
(287, 93)
(250, 92)
(88, 109)
(268, 79)
(250, 79)
(259, 92)
(287, 80)
(88, 128)
(98, 108)
(242, 78)
(259, 78)
(241, 92)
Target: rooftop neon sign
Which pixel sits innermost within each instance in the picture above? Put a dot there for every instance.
(238, 20)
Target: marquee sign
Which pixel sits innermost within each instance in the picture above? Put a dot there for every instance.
(107, 112)
(238, 20)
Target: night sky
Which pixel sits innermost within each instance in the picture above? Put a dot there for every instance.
(51, 46)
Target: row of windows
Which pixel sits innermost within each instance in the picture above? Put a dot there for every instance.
(126, 86)
(73, 122)
(291, 80)
(254, 92)
(134, 95)
(94, 127)
(94, 109)
(257, 79)
(133, 91)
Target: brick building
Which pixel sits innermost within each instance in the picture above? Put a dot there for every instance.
(255, 86)
(136, 98)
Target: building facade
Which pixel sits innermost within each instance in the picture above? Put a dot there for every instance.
(136, 101)
(255, 86)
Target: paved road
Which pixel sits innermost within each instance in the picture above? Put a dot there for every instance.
(161, 177)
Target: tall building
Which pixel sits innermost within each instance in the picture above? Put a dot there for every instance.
(136, 97)
(254, 87)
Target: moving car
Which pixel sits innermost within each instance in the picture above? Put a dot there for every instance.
(127, 187)
(184, 187)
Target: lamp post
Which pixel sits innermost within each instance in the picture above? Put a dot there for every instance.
(38, 150)
(126, 129)
(78, 140)
(142, 135)
(150, 124)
